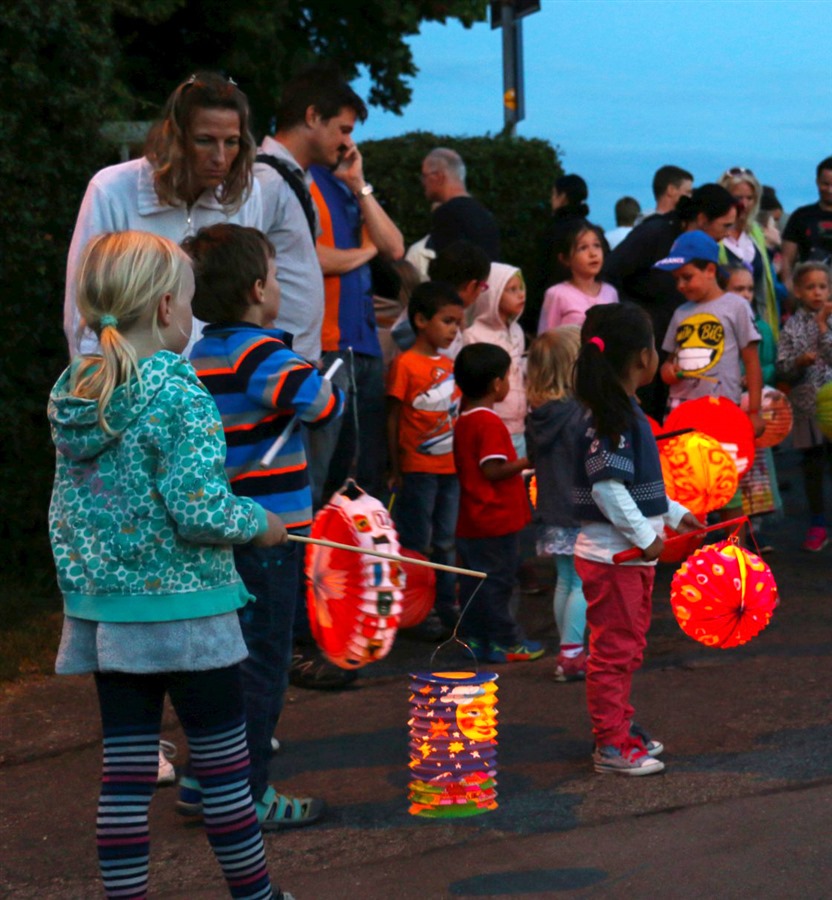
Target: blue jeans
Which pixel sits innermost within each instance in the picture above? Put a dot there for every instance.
(425, 514)
(271, 574)
(488, 619)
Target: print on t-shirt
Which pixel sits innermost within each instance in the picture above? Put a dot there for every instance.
(438, 398)
(700, 342)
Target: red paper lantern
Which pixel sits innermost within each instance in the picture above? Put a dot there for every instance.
(777, 416)
(723, 595)
(655, 427)
(698, 472)
(419, 591)
(721, 419)
(354, 601)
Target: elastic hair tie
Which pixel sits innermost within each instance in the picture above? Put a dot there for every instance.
(599, 343)
(110, 321)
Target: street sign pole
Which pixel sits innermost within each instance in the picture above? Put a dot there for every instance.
(508, 15)
(510, 93)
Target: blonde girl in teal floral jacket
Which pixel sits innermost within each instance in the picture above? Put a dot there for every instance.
(142, 521)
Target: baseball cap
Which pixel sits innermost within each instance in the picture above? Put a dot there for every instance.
(687, 247)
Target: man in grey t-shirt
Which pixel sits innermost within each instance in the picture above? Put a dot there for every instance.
(315, 118)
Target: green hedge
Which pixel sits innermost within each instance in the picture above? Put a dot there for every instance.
(513, 177)
(55, 72)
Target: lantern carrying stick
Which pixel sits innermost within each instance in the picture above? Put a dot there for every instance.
(284, 435)
(636, 552)
(407, 560)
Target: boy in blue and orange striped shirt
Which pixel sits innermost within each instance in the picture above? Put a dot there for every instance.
(259, 384)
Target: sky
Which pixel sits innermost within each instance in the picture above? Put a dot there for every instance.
(622, 87)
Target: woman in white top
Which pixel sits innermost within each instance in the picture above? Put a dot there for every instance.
(196, 171)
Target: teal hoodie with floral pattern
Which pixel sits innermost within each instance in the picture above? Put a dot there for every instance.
(142, 521)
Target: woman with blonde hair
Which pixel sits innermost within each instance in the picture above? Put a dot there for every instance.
(745, 243)
(196, 171)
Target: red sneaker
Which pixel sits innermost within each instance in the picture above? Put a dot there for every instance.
(570, 668)
(816, 539)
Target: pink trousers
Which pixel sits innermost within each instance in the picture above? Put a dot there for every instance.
(619, 603)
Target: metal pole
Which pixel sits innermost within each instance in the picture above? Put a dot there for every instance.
(509, 69)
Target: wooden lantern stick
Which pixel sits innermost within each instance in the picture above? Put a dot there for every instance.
(394, 556)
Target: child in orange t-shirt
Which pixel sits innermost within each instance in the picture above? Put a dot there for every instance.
(423, 403)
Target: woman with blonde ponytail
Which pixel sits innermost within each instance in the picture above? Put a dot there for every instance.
(142, 522)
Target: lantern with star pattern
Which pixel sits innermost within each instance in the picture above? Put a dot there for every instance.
(453, 744)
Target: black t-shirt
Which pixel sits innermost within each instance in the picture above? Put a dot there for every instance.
(629, 268)
(810, 227)
(465, 218)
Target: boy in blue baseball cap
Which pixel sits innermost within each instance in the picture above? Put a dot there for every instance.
(711, 333)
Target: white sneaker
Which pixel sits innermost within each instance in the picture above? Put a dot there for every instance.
(275, 745)
(167, 774)
(628, 760)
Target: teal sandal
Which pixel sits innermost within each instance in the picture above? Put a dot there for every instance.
(277, 811)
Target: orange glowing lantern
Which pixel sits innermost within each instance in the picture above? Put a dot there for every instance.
(532, 487)
(453, 744)
(719, 418)
(419, 591)
(777, 416)
(698, 472)
(723, 595)
(354, 600)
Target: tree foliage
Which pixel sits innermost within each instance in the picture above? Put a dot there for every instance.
(261, 43)
(56, 70)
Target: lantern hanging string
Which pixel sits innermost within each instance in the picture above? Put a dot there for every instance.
(636, 553)
(454, 637)
(407, 560)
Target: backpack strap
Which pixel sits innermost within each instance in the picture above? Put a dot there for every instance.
(298, 186)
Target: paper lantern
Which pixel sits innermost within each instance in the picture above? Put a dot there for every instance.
(721, 419)
(723, 595)
(354, 601)
(453, 744)
(823, 410)
(419, 591)
(698, 472)
(777, 416)
(532, 487)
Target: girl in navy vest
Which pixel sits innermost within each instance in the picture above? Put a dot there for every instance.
(620, 500)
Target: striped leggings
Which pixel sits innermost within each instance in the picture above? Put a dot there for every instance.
(210, 707)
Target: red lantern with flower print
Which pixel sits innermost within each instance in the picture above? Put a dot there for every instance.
(723, 595)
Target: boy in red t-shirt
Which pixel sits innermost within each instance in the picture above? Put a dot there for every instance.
(493, 507)
(423, 403)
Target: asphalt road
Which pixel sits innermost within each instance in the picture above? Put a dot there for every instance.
(742, 810)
